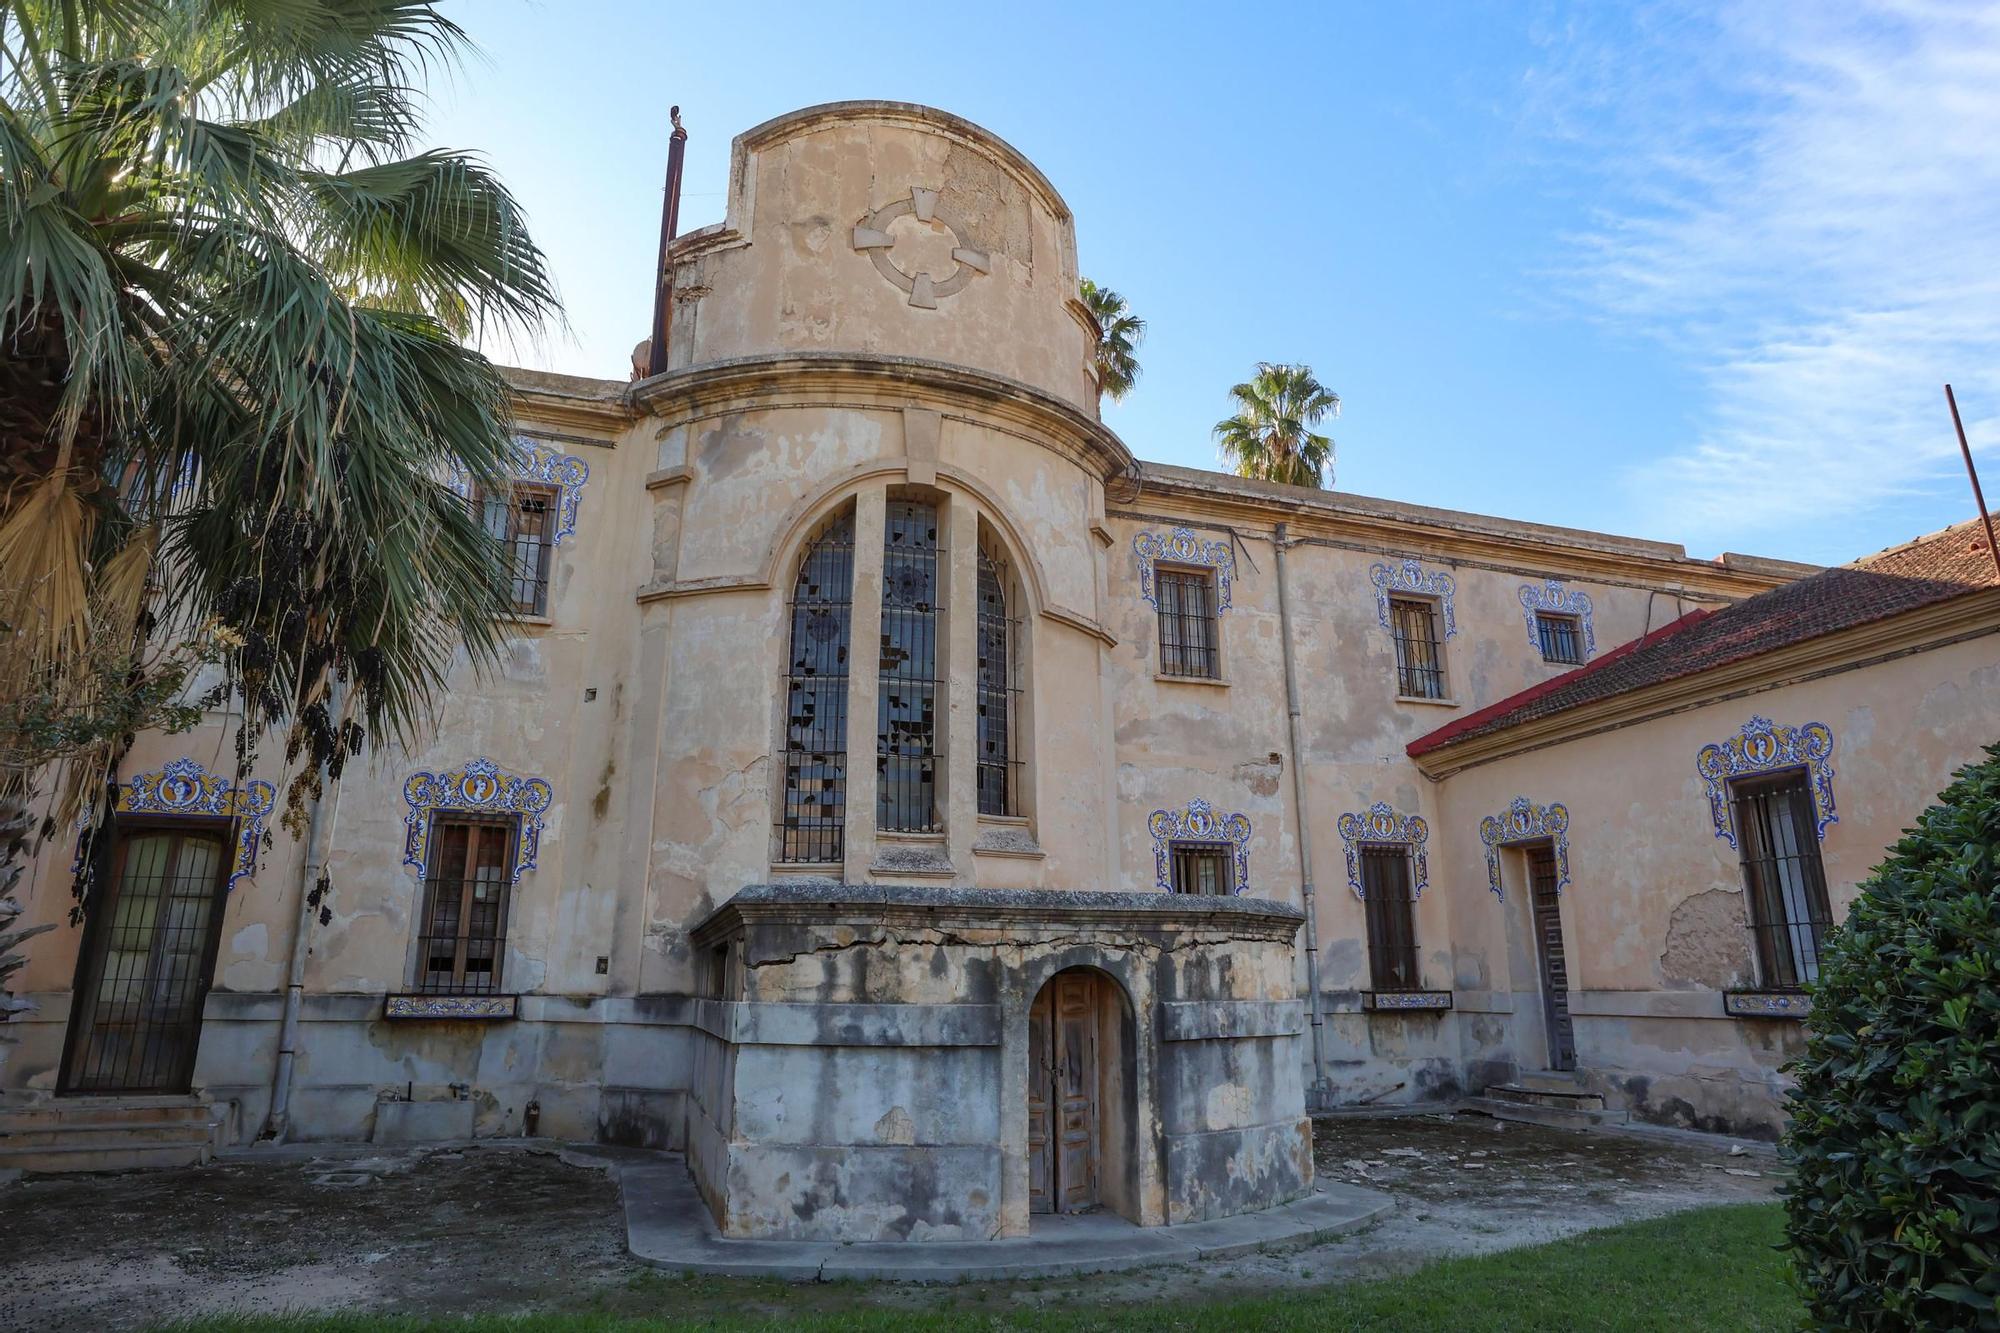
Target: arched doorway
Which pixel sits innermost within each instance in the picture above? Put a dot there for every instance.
(1078, 1077)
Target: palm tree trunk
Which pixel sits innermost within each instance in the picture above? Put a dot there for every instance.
(16, 824)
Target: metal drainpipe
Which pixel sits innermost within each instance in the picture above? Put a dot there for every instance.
(1321, 1090)
(278, 1122)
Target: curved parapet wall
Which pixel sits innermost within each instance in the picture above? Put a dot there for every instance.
(890, 229)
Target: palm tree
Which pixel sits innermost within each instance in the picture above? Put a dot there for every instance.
(1119, 333)
(232, 382)
(1271, 437)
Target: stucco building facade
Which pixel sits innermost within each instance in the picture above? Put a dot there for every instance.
(924, 814)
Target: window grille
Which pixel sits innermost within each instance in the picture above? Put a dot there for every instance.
(1201, 867)
(811, 825)
(906, 721)
(1419, 661)
(1392, 926)
(1188, 638)
(999, 691)
(1560, 637)
(1779, 848)
(519, 521)
(465, 906)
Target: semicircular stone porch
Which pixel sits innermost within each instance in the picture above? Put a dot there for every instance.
(885, 1063)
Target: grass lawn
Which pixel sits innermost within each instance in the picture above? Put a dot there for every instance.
(1717, 1268)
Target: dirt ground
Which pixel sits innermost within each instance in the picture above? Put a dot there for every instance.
(494, 1230)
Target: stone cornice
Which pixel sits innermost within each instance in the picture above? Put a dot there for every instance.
(885, 383)
(1391, 527)
(569, 404)
(1934, 626)
(922, 908)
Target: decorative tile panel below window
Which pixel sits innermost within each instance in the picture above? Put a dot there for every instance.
(446, 1007)
(1406, 1001)
(480, 787)
(1766, 1004)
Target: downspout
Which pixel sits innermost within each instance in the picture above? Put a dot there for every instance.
(318, 833)
(1321, 1090)
(670, 223)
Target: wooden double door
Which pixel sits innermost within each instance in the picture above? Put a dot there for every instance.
(1064, 1117)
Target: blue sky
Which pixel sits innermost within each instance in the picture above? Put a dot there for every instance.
(1682, 271)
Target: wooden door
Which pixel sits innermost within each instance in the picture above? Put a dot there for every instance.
(1555, 967)
(1041, 1086)
(1076, 1092)
(146, 963)
(1063, 1115)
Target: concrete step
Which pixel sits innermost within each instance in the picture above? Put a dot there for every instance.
(1548, 1080)
(1572, 1098)
(126, 1133)
(86, 1110)
(1533, 1113)
(106, 1156)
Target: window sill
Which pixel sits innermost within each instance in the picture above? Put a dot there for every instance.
(914, 855)
(1790, 1004)
(1405, 1001)
(1006, 835)
(433, 1008)
(1166, 679)
(538, 622)
(1422, 699)
(810, 869)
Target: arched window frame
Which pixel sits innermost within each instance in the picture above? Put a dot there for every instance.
(810, 827)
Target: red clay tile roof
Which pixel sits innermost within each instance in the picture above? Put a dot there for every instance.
(1930, 569)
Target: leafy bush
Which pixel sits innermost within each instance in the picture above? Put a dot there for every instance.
(1894, 1213)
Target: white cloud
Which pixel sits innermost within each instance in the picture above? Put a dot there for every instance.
(1803, 202)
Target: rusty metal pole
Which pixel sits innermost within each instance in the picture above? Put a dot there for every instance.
(670, 221)
(1978, 497)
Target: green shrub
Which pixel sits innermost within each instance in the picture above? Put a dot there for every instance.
(1893, 1215)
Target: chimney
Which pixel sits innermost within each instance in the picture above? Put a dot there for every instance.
(670, 221)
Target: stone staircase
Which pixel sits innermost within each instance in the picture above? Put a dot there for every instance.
(1546, 1097)
(107, 1133)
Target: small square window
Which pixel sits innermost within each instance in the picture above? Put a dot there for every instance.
(1201, 867)
(1188, 631)
(1561, 638)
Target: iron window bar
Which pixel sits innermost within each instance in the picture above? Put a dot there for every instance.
(999, 692)
(906, 719)
(1188, 639)
(462, 946)
(519, 521)
(1778, 846)
(811, 823)
(1200, 867)
(1560, 637)
(1419, 661)
(1392, 927)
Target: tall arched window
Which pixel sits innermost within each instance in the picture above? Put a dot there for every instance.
(815, 797)
(907, 719)
(999, 683)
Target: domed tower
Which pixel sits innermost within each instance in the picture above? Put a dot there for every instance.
(874, 771)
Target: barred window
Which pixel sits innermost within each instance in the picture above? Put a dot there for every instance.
(1561, 638)
(1188, 637)
(999, 686)
(906, 720)
(1200, 867)
(1419, 660)
(519, 521)
(811, 822)
(1392, 925)
(1782, 872)
(465, 906)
